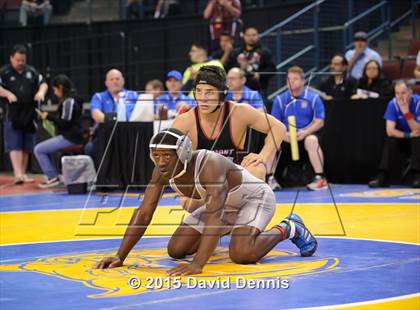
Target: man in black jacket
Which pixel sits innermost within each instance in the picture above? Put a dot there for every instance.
(22, 86)
(254, 59)
(338, 85)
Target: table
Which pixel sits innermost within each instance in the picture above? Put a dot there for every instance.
(352, 139)
(124, 147)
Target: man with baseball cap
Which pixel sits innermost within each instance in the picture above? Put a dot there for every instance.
(360, 55)
(174, 100)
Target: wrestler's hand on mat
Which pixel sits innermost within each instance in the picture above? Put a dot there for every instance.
(185, 270)
(252, 159)
(109, 262)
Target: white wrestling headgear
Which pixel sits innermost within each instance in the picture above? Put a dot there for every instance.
(182, 146)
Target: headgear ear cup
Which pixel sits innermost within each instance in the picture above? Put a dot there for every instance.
(184, 149)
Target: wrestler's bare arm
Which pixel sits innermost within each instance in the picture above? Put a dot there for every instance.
(139, 222)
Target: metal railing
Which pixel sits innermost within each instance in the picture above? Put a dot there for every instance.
(275, 37)
(414, 6)
(296, 56)
(384, 26)
(375, 20)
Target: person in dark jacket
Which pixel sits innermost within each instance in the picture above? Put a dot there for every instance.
(68, 123)
(371, 84)
(255, 60)
(22, 87)
(338, 85)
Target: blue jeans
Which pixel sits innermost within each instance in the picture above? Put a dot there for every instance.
(42, 151)
(90, 148)
(25, 9)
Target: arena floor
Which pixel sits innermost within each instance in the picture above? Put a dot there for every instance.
(368, 255)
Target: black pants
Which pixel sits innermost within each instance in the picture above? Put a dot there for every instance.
(395, 145)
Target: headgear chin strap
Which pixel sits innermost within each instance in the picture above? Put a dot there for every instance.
(183, 148)
(217, 107)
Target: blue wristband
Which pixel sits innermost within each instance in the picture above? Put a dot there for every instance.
(406, 135)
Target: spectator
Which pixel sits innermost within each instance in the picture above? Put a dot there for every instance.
(308, 109)
(35, 8)
(198, 58)
(338, 85)
(360, 55)
(166, 8)
(154, 87)
(134, 9)
(372, 85)
(68, 123)
(224, 16)
(403, 134)
(239, 93)
(417, 68)
(22, 86)
(114, 103)
(174, 100)
(253, 59)
(224, 54)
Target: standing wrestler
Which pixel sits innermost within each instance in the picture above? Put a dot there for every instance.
(221, 126)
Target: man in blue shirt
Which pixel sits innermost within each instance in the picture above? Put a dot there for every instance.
(309, 112)
(108, 101)
(360, 55)
(174, 100)
(239, 93)
(116, 102)
(403, 133)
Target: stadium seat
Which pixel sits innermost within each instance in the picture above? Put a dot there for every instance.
(408, 69)
(73, 150)
(9, 12)
(10, 4)
(414, 47)
(416, 89)
(391, 70)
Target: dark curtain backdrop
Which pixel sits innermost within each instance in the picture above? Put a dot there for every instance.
(123, 154)
(352, 139)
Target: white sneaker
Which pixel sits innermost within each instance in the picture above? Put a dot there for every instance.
(27, 179)
(50, 183)
(19, 181)
(272, 182)
(317, 184)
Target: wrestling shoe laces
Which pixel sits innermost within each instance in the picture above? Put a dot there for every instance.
(300, 235)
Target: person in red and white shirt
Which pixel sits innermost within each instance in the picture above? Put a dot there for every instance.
(224, 16)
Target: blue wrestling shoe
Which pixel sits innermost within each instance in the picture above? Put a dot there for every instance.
(302, 237)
